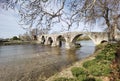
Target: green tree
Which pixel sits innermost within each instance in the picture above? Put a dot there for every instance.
(15, 38)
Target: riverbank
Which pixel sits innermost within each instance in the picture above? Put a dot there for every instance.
(96, 67)
(67, 71)
(16, 42)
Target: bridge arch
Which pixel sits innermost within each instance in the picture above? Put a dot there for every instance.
(104, 41)
(74, 39)
(50, 40)
(60, 39)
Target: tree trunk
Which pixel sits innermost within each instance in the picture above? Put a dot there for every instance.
(108, 23)
(112, 33)
(111, 30)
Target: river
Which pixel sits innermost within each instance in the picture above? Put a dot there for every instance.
(37, 62)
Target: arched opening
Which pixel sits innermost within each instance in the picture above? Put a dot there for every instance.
(104, 41)
(61, 40)
(34, 37)
(50, 41)
(78, 39)
(43, 40)
(75, 39)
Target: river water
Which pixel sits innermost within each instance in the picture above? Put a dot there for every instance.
(37, 62)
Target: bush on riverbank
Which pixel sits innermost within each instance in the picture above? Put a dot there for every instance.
(93, 70)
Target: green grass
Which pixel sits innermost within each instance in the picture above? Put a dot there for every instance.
(100, 66)
(76, 71)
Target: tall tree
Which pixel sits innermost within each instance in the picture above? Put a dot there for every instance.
(93, 10)
(44, 13)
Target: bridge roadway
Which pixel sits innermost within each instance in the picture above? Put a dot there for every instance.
(71, 37)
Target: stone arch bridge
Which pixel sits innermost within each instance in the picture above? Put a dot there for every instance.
(71, 37)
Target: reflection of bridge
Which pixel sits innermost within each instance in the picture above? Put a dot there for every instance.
(71, 37)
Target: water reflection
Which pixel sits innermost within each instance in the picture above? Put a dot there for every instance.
(71, 56)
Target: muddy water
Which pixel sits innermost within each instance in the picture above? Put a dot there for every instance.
(37, 62)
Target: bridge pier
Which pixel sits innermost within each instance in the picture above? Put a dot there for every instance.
(69, 45)
(54, 44)
(97, 42)
(46, 43)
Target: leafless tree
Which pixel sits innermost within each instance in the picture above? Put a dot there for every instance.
(25, 37)
(44, 13)
(92, 11)
(40, 13)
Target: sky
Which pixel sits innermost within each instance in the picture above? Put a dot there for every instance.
(9, 25)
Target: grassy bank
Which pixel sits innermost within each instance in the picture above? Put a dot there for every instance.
(97, 67)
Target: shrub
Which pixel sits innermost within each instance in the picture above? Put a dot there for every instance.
(72, 79)
(86, 78)
(15, 38)
(98, 79)
(99, 69)
(100, 46)
(89, 63)
(81, 77)
(108, 53)
(89, 79)
(76, 71)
